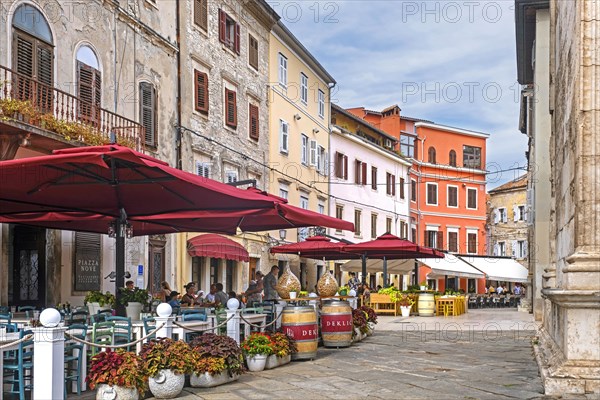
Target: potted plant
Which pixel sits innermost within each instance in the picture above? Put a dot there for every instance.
(359, 321)
(134, 301)
(118, 375)
(96, 301)
(283, 347)
(343, 290)
(257, 347)
(405, 304)
(371, 318)
(423, 285)
(166, 362)
(218, 360)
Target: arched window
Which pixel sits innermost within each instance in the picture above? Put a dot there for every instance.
(452, 158)
(431, 155)
(33, 56)
(89, 85)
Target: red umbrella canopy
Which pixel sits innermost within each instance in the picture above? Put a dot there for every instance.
(316, 247)
(392, 248)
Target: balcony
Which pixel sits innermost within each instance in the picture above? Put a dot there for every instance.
(33, 114)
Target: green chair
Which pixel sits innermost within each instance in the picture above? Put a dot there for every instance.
(221, 316)
(149, 327)
(102, 334)
(5, 318)
(78, 317)
(28, 310)
(100, 317)
(122, 329)
(193, 317)
(74, 356)
(18, 373)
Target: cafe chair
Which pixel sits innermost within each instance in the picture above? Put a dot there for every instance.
(102, 334)
(268, 307)
(122, 329)
(100, 317)
(149, 327)
(4, 309)
(221, 317)
(74, 355)
(18, 373)
(28, 310)
(5, 318)
(193, 317)
(78, 317)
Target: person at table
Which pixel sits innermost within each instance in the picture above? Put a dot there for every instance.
(166, 290)
(189, 298)
(220, 297)
(491, 290)
(129, 285)
(353, 282)
(270, 282)
(210, 297)
(173, 299)
(255, 289)
(500, 289)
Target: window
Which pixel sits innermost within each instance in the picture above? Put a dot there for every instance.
(373, 226)
(313, 152)
(388, 225)
(321, 208)
(304, 150)
(407, 145)
(323, 161)
(453, 241)
(253, 52)
(432, 194)
(283, 191)
(402, 188)
(472, 242)
(452, 158)
(452, 196)
(390, 184)
(321, 104)
(231, 176)
(373, 178)
(304, 201)
(341, 166)
(360, 172)
(431, 155)
(201, 13)
(500, 216)
(472, 157)
(431, 238)
(203, 169)
(303, 88)
(413, 235)
(520, 248)
(253, 122)
(519, 213)
(230, 108)
(229, 32)
(403, 230)
(357, 218)
(413, 190)
(283, 136)
(472, 198)
(500, 249)
(282, 70)
(89, 86)
(339, 211)
(201, 92)
(148, 113)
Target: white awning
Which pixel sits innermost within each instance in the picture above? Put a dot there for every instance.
(499, 268)
(376, 265)
(450, 265)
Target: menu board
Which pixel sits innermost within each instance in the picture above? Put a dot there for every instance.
(87, 270)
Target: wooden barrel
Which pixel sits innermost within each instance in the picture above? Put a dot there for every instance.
(300, 323)
(426, 304)
(336, 324)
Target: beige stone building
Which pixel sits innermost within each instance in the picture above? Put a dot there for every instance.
(224, 132)
(508, 214)
(105, 65)
(558, 46)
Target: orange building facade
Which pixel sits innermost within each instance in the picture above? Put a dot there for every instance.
(447, 186)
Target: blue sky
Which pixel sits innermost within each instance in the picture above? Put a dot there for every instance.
(452, 62)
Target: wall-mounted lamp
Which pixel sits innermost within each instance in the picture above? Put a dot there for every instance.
(315, 130)
(297, 117)
(282, 234)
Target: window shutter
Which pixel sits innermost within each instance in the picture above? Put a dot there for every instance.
(357, 172)
(516, 213)
(525, 249)
(514, 248)
(525, 215)
(345, 167)
(237, 38)
(254, 129)
(253, 51)
(402, 188)
(373, 178)
(440, 240)
(230, 108)
(313, 152)
(222, 26)
(364, 173)
(201, 13)
(393, 185)
(283, 136)
(148, 112)
(426, 239)
(496, 215)
(201, 91)
(339, 173)
(326, 164)
(496, 249)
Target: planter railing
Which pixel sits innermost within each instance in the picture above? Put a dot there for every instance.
(47, 100)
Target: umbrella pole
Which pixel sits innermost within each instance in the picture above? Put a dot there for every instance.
(416, 274)
(120, 264)
(364, 269)
(385, 274)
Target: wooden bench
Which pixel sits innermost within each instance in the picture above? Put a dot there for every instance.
(382, 304)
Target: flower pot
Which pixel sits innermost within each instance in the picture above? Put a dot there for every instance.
(93, 308)
(274, 361)
(405, 310)
(343, 292)
(423, 288)
(133, 310)
(107, 392)
(166, 384)
(358, 336)
(371, 328)
(207, 380)
(257, 362)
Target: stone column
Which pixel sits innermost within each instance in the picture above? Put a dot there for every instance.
(233, 325)
(49, 357)
(164, 311)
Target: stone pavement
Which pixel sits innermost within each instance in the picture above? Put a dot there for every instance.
(484, 354)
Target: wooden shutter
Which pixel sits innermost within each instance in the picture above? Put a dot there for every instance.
(89, 91)
(201, 13)
(373, 178)
(345, 167)
(440, 240)
(148, 112)
(253, 52)
(201, 91)
(230, 108)
(222, 26)
(393, 185)
(452, 241)
(357, 172)
(401, 188)
(426, 239)
(339, 173)
(254, 130)
(364, 173)
(237, 39)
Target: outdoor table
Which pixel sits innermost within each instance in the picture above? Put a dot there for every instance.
(443, 305)
(252, 318)
(180, 332)
(4, 339)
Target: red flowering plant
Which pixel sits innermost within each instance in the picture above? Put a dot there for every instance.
(215, 354)
(371, 316)
(167, 353)
(359, 319)
(283, 345)
(257, 343)
(118, 368)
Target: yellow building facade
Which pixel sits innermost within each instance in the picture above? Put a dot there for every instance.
(299, 119)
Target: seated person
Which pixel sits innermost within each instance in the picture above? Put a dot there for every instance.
(189, 298)
(172, 299)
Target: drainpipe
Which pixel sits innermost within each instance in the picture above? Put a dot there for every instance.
(178, 139)
(329, 167)
(419, 176)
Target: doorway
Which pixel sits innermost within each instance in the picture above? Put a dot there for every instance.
(29, 267)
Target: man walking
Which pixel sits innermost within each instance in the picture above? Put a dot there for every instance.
(270, 282)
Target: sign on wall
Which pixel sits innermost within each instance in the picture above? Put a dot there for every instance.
(87, 265)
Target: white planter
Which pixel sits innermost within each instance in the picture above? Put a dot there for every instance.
(274, 361)
(357, 335)
(405, 311)
(106, 392)
(207, 380)
(371, 328)
(133, 310)
(256, 363)
(423, 288)
(93, 308)
(166, 384)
